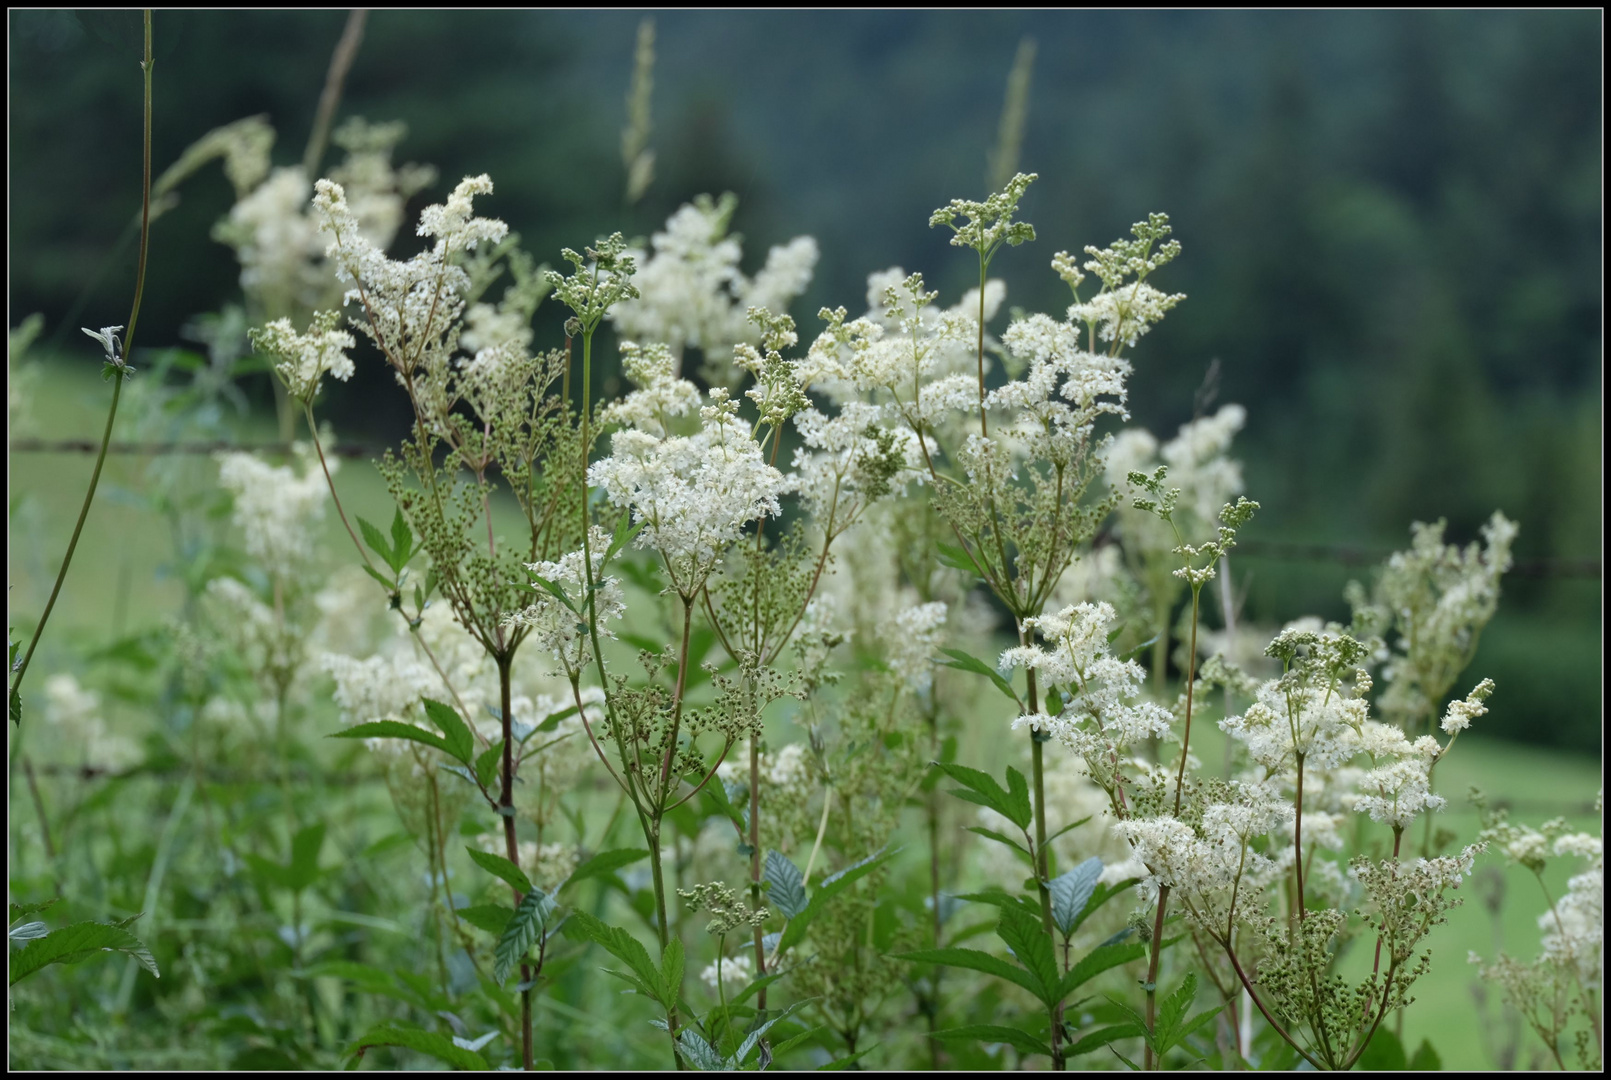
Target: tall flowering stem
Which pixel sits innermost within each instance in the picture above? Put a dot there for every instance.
(116, 367)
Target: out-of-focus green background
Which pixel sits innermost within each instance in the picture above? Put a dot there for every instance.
(1392, 224)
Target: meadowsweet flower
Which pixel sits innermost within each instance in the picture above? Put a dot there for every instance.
(913, 636)
(274, 507)
(301, 360)
(560, 628)
(734, 971)
(691, 293)
(692, 493)
(76, 712)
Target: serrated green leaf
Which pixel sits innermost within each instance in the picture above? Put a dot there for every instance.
(402, 541)
(380, 577)
(787, 891)
(1029, 942)
(623, 946)
(77, 942)
(1018, 797)
(425, 1042)
(553, 588)
(552, 721)
(1002, 838)
(377, 541)
(501, 868)
(1001, 899)
(1021, 1041)
(744, 1048)
(521, 933)
(963, 662)
(19, 910)
(1099, 960)
(983, 789)
(1071, 892)
(958, 558)
(392, 729)
(699, 1053)
(488, 763)
(1096, 1040)
(605, 862)
(974, 960)
(460, 742)
(489, 917)
(1068, 827)
(671, 962)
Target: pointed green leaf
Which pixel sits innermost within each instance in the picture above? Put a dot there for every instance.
(622, 945)
(424, 1042)
(1002, 899)
(983, 790)
(77, 942)
(1021, 1041)
(488, 763)
(459, 741)
(958, 558)
(521, 933)
(974, 960)
(1002, 838)
(963, 662)
(1072, 891)
(1029, 942)
(787, 886)
(1018, 797)
(555, 589)
(19, 910)
(1099, 960)
(624, 532)
(1426, 1058)
(605, 862)
(377, 541)
(402, 541)
(671, 971)
(501, 868)
(1101, 1037)
(699, 1053)
(392, 729)
(489, 917)
(385, 581)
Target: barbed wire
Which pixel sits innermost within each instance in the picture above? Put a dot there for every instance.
(1284, 551)
(156, 449)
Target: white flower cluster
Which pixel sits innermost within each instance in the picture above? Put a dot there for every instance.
(560, 628)
(411, 308)
(1103, 717)
(733, 971)
(274, 507)
(277, 240)
(693, 494)
(1217, 859)
(301, 360)
(912, 636)
(691, 293)
(76, 712)
(660, 394)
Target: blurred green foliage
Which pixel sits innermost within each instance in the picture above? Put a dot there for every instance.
(1392, 220)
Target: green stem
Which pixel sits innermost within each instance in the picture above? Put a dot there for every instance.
(117, 389)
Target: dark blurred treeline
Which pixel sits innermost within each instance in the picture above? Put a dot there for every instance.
(1392, 221)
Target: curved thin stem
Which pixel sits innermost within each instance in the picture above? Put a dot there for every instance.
(117, 390)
